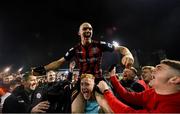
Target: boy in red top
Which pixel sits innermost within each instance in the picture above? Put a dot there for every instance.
(163, 97)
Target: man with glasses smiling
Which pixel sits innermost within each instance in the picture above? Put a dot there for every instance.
(88, 54)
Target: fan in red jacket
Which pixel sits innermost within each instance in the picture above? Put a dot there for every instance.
(164, 97)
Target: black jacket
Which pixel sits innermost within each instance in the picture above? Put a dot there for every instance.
(131, 86)
(18, 102)
(58, 94)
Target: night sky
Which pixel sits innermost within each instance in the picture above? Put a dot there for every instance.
(35, 33)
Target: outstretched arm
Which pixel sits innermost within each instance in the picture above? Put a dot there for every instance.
(41, 70)
(55, 64)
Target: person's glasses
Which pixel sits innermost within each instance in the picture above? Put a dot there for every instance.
(85, 28)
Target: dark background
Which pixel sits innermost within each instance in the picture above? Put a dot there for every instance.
(35, 33)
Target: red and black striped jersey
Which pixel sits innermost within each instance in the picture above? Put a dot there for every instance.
(88, 58)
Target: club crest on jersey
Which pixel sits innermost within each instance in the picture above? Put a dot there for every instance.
(38, 95)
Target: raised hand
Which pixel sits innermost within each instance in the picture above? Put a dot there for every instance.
(102, 86)
(128, 60)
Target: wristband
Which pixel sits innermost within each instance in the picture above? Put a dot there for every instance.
(105, 90)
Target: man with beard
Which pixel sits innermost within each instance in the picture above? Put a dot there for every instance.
(6, 82)
(20, 99)
(128, 81)
(6, 87)
(164, 97)
(88, 56)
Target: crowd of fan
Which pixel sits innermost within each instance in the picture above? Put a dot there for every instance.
(52, 93)
(10, 82)
(155, 90)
